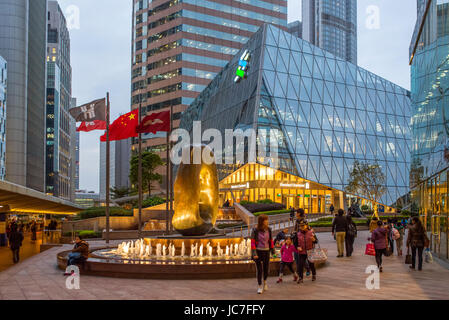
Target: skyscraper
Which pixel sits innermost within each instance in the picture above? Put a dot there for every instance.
(179, 46)
(58, 168)
(295, 28)
(119, 165)
(76, 148)
(3, 90)
(24, 47)
(332, 26)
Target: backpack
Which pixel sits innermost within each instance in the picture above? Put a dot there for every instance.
(396, 234)
(352, 230)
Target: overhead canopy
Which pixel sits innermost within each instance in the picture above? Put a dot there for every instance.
(20, 199)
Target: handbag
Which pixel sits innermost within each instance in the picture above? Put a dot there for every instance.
(317, 255)
(429, 257)
(408, 257)
(388, 251)
(369, 250)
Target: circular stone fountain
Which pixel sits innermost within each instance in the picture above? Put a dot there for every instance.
(173, 258)
(192, 255)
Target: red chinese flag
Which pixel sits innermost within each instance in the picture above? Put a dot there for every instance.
(124, 127)
(154, 122)
(88, 126)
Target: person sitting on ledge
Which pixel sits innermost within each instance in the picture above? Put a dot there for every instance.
(80, 252)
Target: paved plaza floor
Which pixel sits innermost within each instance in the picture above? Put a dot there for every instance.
(342, 278)
(29, 249)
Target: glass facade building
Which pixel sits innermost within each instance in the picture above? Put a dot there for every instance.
(23, 46)
(326, 113)
(429, 59)
(58, 143)
(332, 26)
(179, 46)
(3, 90)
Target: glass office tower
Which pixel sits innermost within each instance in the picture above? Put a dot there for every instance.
(332, 26)
(58, 163)
(179, 46)
(429, 59)
(326, 113)
(23, 45)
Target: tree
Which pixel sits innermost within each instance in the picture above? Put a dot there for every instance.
(368, 181)
(119, 192)
(150, 161)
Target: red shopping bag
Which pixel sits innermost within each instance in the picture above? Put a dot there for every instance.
(369, 251)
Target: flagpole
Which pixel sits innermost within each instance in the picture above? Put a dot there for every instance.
(107, 166)
(167, 188)
(140, 172)
(171, 171)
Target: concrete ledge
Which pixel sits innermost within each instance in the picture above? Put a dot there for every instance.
(167, 270)
(130, 234)
(47, 246)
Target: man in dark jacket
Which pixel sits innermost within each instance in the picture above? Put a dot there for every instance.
(79, 253)
(351, 234)
(339, 229)
(280, 237)
(300, 218)
(15, 242)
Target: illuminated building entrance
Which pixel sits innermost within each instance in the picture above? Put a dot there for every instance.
(254, 182)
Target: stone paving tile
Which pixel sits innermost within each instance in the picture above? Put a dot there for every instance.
(39, 278)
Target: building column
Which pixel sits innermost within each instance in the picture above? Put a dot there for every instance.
(3, 239)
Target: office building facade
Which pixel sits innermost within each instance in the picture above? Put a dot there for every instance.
(323, 112)
(295, 28)
(332, 26)
(58, 164)
(24, 47)
(179, 46)
(3, 109)
(75, 139)
(429, 59)
(119, 165)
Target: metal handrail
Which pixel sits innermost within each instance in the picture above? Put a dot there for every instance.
(273, 220)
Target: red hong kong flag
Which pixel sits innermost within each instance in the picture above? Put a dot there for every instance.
(157, 121)
(88, 126)
(124, 127)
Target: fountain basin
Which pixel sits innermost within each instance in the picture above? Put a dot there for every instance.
(108, 262)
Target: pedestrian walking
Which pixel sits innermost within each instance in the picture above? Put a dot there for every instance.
(34, 231)
(391, 235)
(280, 237)
(15, 242)
(339, 229)
(351, 234)
(399, 239)
(331, 209)
(300, 218)
(292, 214)
(262, 245)
(378, 237)
(304, 241)
(287, 251)
(417, 240)
(373, 224)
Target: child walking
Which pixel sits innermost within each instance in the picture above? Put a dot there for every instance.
(287, 251)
